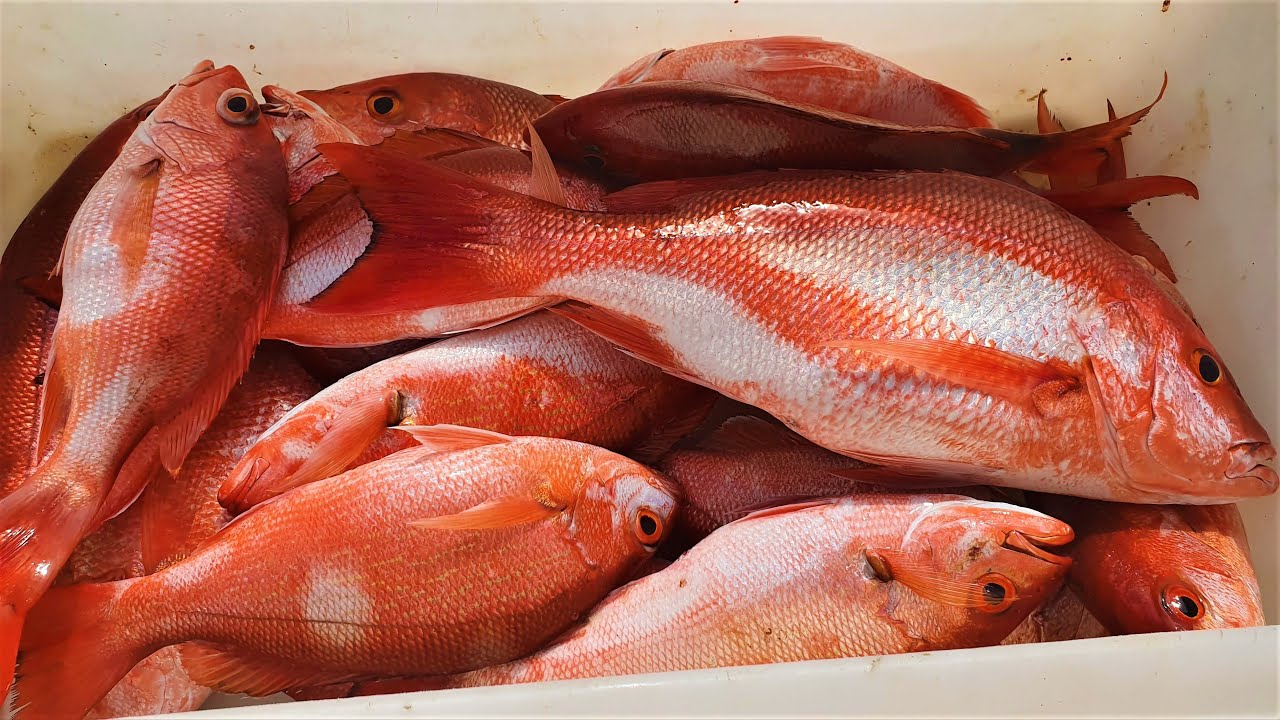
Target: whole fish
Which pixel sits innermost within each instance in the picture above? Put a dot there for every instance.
(1143, 569)
(330, 230)
(864, 575)
(168, 270)
(158, 684)
(175, 515)
(678, 129)
(538, 375)
(374, 109)
(26, 325)
(939, 324)
(1063, 617)
(813, 71)
(423, 562)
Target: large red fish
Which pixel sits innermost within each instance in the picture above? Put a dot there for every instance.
(864, 575)
(168, 270)
(813, 71)
(538, 375)
(1142, 568)
(26, 325)
(374, 109)
(933, 323)
(423, 562)
(678, 129)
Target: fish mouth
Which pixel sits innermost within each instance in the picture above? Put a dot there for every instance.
(1034, 545)
(1252, 461)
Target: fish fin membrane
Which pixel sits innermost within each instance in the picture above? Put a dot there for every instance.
(748, 433)
(429, 143)
(634, 337)
(238, 671)
(1078, 153)
(686, 414)
(557, 99)
(545, 184)
(447, 438)
(971, 114)
(73, 651)
(493, 514)
(55, 400)
(1114, 167)
(429, 222)
(790, 508)
(321, 692)
(139, 470)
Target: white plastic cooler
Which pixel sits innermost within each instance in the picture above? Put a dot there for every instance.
(69, 69)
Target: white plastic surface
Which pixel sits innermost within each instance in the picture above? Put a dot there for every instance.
(67, 70)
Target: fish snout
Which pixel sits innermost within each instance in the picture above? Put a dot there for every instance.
(1253, 460)
(1037, 545)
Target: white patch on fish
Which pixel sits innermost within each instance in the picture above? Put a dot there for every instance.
(336, 604)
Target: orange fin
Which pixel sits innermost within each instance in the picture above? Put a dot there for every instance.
(55, 401)
(684, 419)
(353, 430)
(545, 184)
(238, 671)
(784, 509)
(1113, 168)
(321, 195)
(924, 580)
(45, 288)
(988, 370)
(557, 99)
(139, 469)
(1045, 121)
(747, 433)
(635, 337)
(429, 221)
(447, 438)
(897, 479)
(498, 513)
(435, 142)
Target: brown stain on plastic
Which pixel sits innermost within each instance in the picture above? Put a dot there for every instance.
(1164, 6)
(1193, 142)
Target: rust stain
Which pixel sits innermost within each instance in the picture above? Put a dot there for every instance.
(1164, 6)
(1193, 142)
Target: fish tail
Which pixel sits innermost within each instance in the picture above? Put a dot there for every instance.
(966, 111)
(75, 650)
(39, 527)
(429, 222)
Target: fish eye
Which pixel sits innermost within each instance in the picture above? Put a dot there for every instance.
(648, 527)
(997, 593)
(593, 156)
(384, 105)
(238, 107)
(1207, 367)
(1182, 603)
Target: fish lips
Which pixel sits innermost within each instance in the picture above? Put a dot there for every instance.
(1036, 546)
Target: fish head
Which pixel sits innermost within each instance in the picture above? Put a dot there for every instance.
(375, 109)
(1160, 568)
(969, 571)
(300, 125)
(1179, 428)
(209, 118)
(637, 505)
(577, 132)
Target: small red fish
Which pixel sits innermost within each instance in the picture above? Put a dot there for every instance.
(26, 325)
(374, 109)
(679, 129)
(168, 270)
(1142, 568)
(813, 71)
(538, 375)
(475, 549)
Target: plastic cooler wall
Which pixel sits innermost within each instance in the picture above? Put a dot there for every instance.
(69, 69)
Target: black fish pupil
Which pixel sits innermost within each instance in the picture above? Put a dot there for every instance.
(237, 104)
(1186, 606)
(993, 593)
(1209, 371)
(595, 162)
(648, 525)
(383, 105)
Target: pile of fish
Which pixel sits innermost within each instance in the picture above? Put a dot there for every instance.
(768, 350)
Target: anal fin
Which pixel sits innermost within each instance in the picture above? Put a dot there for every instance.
(633, 336)
(238, 671)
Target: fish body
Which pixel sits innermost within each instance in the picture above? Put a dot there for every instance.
(452, 556)
(678, 129)
(374, 109)
(802, 584)
(813, 71)
(168, 269)
(937, 323)
(1142, 569)
(537, 375)
(26, 325)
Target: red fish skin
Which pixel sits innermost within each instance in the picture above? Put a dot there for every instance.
(769, 320)
(680, 129)
(26, 325)
(333, 581)
(487, 108)
(190, 217)
(760, 590)
(537, 375)
(813, 71)
(1135, 566)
